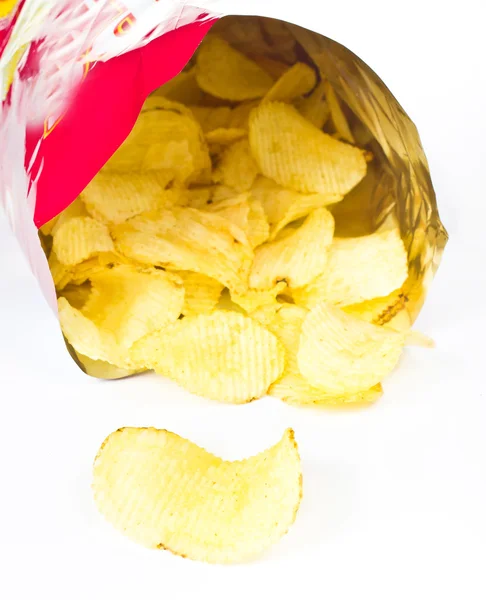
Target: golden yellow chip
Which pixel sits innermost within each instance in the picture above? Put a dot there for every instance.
(298, 80)
(182, 88)
(253, 299)
(165, 492)
(226, 73)
(258, 227)
(343, 354)
(61, 274)
(211, 118)
(202, 293)
(295, 154)
(386, 310)
(337, 115)
(75, 209)
(77, 295)
(130, 303)
(104, 370)
(282, 206)
(358, 269)
(296, 256)
(235, 209)
(315, 107)
(273, 67)
(116, 197)
(224, 356)
(225, 136)
(188, 239)
(240, 115)
(80, 238)
(237, 168)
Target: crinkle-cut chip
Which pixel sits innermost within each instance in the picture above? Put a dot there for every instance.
(296, 256)
(275, 68)
(226, 73)
(314, 108)
(298, 80)
(211, 118)
(85, 336)
(358, 269)
(116, 197)
(224, 356)
(202, 293)
(237, 168)
(343, 354)
(251, 300)
(167, 137)
(80, 238)
(164, 492)
(385, 310)
(236, 210)
(182, 88)
(130, 303)
(77, 208)
(258, 227)
(337, 115)
(188, 239)
(104, 370)
(285, 321)
(240, 115)
(77, 295)
(91, 267)
(282, 206)
(297, 155)
(61, 275)
(225, 136)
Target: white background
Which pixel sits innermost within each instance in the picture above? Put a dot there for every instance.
(394, 496)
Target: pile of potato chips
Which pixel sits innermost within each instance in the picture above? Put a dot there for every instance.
(205, 247)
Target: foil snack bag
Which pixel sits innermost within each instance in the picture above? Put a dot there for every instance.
(74, 77)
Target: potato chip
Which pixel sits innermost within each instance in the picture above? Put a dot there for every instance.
(224, 356)
(80, 238)
(285, 321)
(212, 118)
(129, 303)
(116, 197)
(296, 256)
(77, 295)
(237, 168)
(240, 115)
(386, 310)
(225, 136)
(298, 80)
(258, 227)
(61, 274)
(104, 370)
(201, 293)
(315, 107)
(253, 299)
(358, 269)
(182, 88)
(75, 209)
(337, 115)
(282, 206)
(188, 239)
(236, 210)
(275, 68)
(343, 354)
(297, 155)
(165, 492)
(226, 73)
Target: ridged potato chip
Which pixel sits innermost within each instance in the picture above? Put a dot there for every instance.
(253, 299)
(285, 321)
(343, 354)
(237, 167)
(296, 256)
(202, 293)
(298, 80)
(282, 206)
(235, 209)
(226, 73)
(358, 269)
(295, 154)
(80, 238)
(386, 310)
(116, 197)
(315, 107)
(337, 115)
(188, 239)
(224, 356)
(61, 275)
(165, 492)
(182, 88)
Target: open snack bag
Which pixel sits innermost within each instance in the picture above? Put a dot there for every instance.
(235, 202)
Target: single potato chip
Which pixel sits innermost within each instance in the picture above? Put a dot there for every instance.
(297, 155)
(202, 293)
(358, 269)
(253, 299)
(337, 115)
(226, 73)
(165, 492)
(75, 209)
(315, 107)
(80, 238)
(224, 356)
(188, 239)
(298, 80)
(104, 370)
(237, 168)
(282, 206)
(296, 256)
(343, 354)
(116, 197)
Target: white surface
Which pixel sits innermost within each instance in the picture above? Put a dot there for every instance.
(394, 496)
